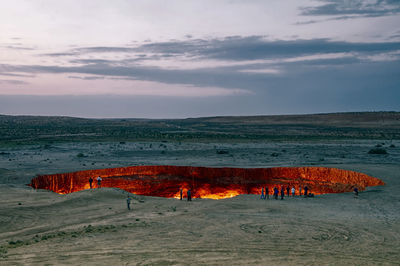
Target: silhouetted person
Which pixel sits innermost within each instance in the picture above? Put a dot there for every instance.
(262, 193)
(293, 191)
(276, 192)
(306, 191)
(282, 193)
(267, 192)
(99, 182)
(181, 192)
(128, 202)
(189, 195)
(355, 190)
(90, 182)
(300, 191)
(287, 191)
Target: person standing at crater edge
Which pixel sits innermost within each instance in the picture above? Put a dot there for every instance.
(128, 202)
(90, 182)
(355, 191)
(276, 192)
(266, 193)
(99, 182)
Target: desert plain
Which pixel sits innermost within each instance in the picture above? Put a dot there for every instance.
(94, 227)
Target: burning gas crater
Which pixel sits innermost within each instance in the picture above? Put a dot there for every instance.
(206, 182)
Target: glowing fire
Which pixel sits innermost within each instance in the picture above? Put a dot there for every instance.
(223, 195)
(210, 183)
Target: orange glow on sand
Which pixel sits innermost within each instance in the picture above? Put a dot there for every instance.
(207, 182)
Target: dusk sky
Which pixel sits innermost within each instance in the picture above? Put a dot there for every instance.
(178, 59)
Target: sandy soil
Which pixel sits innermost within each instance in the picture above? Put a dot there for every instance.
(94, 227)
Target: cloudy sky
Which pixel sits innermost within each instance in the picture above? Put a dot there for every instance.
(183, 58)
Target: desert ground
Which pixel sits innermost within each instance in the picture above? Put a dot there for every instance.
(94, 227)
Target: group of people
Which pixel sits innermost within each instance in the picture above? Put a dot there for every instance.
(265, 192)
(99, 179)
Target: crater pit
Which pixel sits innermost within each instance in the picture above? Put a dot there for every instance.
(207, 182)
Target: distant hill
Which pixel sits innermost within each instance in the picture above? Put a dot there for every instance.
(32, 129)
(359, 119)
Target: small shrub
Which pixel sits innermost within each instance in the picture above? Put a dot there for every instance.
(222, 152)
(377, 151)
(274, 154)
(80, 155)
(392, 146)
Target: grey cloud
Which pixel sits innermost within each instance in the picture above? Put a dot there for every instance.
(234, 48)
(14, 82)
(343, 73)
(230, 77)
(91, 61)
(60, 54)
(86, 78)
(89, 50)
(355, 7)
(328, 19)
(104, 49)
(16, 75)
(255, 47)
(17, 47)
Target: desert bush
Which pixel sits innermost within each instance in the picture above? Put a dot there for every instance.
(80, 155)
(222, 152)
(3, 252)
(377, 151)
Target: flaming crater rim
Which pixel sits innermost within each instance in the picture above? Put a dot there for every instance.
(207, 182)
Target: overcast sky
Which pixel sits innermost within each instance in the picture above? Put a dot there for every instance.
(177, 59)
